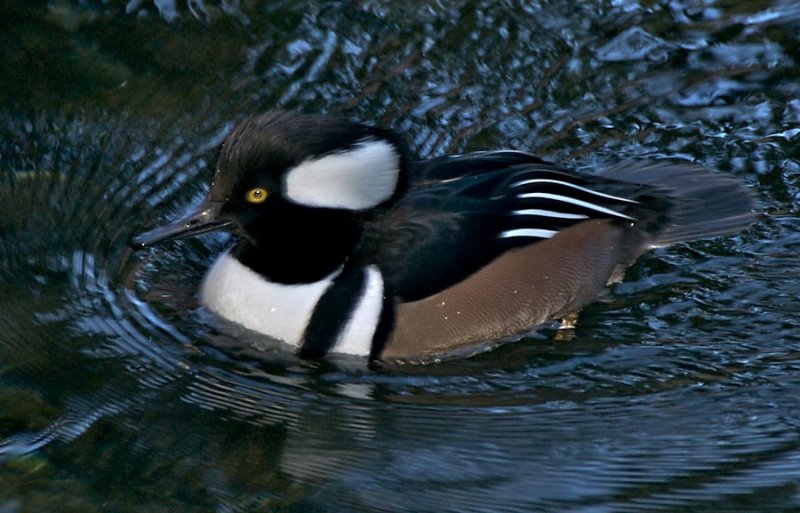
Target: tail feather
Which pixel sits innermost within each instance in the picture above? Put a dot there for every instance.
(703, 204)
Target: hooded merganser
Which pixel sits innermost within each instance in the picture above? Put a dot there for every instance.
(345, 244)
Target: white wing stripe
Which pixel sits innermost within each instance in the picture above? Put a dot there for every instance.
(577, 187)
(549, 213)
(573, 201)
(528, 232)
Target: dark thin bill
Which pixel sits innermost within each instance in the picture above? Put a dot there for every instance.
(203, 220)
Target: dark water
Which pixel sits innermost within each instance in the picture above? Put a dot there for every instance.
(679, 390)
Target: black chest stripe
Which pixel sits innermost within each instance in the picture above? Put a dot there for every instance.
(333, 311)
(384, 328)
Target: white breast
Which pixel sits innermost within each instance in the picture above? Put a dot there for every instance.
(237, 293)
(356, 337)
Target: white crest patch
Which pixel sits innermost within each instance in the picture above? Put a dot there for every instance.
(356, 337)
(239, 294)
(356, 179)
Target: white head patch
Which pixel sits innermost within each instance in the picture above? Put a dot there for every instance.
(356, 179)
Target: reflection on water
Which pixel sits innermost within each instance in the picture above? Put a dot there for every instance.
(678, 389)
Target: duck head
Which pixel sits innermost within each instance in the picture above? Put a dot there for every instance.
(283, 179)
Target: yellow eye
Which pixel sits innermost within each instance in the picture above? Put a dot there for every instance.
(257, 195)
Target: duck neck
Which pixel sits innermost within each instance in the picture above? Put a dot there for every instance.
(302, 248)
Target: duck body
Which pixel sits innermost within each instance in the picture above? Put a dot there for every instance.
(347, 245)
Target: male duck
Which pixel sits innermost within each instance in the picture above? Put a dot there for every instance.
(346, 244)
